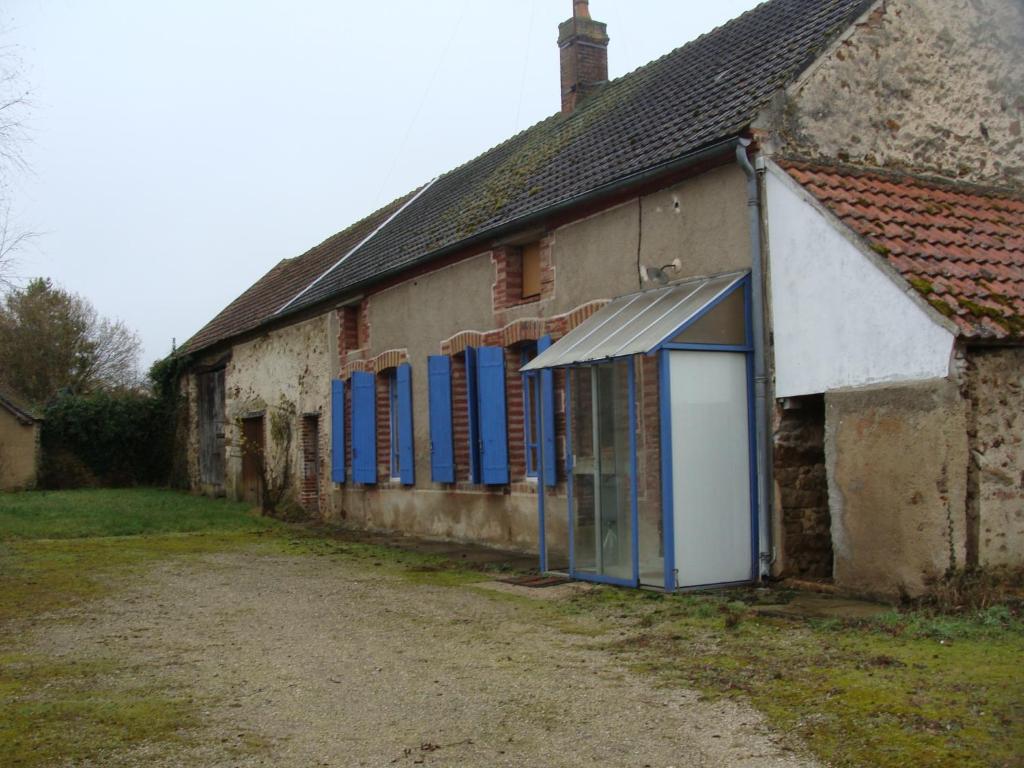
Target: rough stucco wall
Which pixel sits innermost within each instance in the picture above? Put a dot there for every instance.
(418, 315)
(596, 258)
(927, 84)
(703, 222)
(19, 453)
(290, 365)
(995, 386)
(593, 258)
(896, 459)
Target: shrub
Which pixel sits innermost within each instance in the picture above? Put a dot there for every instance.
(107, 438)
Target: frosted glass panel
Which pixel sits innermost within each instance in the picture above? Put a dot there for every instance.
(711, 467)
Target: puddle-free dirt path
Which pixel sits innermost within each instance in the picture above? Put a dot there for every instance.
(315, 661)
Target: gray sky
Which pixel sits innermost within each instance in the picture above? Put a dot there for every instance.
(180, 149)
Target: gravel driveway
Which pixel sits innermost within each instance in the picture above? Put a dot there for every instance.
(313, 661)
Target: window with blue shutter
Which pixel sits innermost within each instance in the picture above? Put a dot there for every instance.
(547, 416)
(442, 447)
(403, 382)
(490, 374)
(364, 427)
(338, 431)
(473, 416)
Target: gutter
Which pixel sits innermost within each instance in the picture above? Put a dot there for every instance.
(764, 467)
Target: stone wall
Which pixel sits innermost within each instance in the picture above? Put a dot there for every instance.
(896, 459)
(802, 488)
(283, 374)
(934, 85)
(995, 388)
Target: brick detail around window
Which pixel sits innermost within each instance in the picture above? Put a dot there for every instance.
(348, 433)
(523, 329)
(648, 438)
(348, 330)
(309, 490)
(507, 290)
(460, 418)
(383, 430)
(353, 334)
(514, 412)
(392, 358)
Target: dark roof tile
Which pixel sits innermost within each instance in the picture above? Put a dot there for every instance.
(703, 93)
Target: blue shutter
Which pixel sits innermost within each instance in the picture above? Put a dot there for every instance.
(364, 427)
(473, 416)
(490, 363)
(338, 431)
(442, 449)
(547, 416)
(406, 470)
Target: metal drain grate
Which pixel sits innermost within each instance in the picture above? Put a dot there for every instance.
(535, 582)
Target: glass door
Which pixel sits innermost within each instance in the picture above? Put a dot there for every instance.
(602, 473)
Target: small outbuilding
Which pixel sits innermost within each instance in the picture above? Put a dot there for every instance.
(20, 429)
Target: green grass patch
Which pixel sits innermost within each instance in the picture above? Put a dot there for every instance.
(58, 549)
(904, 689)
(118, 512)
(64, 712)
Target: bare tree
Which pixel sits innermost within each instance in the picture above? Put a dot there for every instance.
(53, 340)
(14, 108)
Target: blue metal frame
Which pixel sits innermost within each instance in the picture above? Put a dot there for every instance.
(531, 431)
(634, 511)
(667, 505)
(663, 351)
(569, 466)
(708, 347)
(743, 285)
(634, 501)
(665, 407)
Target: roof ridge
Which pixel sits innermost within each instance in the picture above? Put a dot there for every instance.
(901, 175)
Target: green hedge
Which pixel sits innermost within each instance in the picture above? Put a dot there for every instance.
(108, 439)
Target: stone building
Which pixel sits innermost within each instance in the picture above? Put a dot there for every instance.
(20, 429)
(755, 309)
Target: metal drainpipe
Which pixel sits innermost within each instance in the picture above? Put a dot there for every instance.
(760, 376)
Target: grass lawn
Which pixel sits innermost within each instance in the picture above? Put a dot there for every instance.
(123, 512)
(58, 549)
(906, 689)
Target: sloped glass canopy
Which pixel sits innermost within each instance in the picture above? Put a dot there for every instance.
(637, 323)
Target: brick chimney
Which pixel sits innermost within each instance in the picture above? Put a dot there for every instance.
(583, 44)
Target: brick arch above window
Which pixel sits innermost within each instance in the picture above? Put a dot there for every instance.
(391, 358)
(523, 329)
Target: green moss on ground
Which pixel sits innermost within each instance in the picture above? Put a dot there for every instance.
(58, 550)
(903, 689)
(913, 688)
(54, 712)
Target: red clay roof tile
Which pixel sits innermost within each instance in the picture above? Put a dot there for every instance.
(961, 248)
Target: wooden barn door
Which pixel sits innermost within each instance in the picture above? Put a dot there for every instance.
(252, 459)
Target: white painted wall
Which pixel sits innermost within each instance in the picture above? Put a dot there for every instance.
(839, 318)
